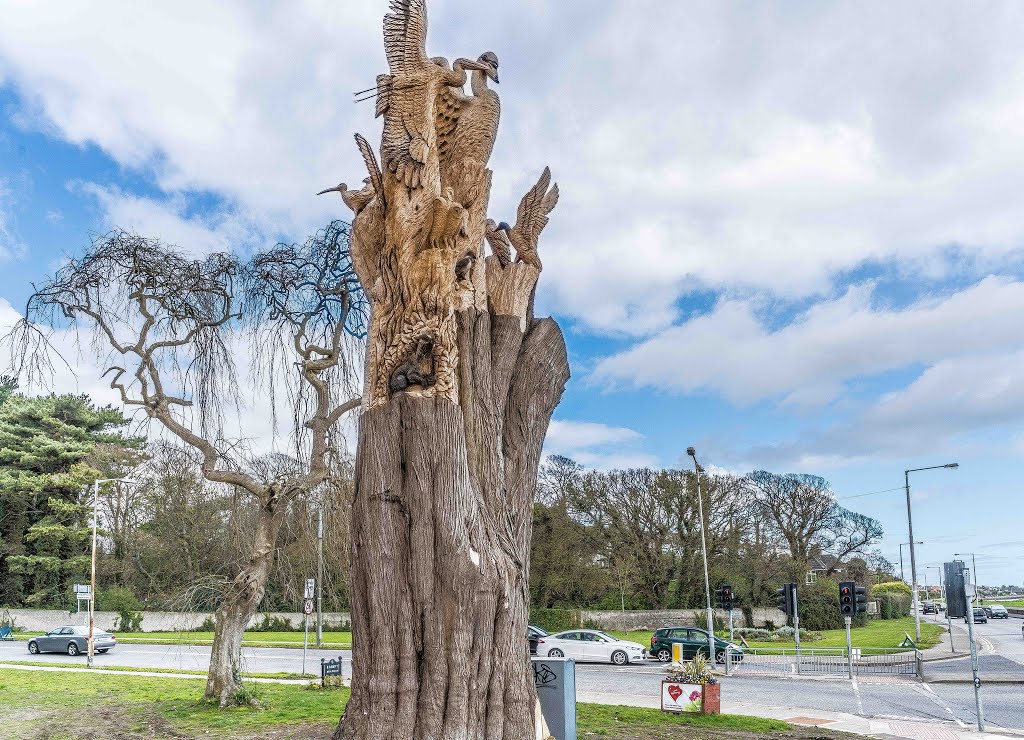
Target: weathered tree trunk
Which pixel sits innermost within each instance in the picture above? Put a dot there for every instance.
(441, 527)
(240, 602)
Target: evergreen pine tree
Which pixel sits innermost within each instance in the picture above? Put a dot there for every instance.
(46, 444)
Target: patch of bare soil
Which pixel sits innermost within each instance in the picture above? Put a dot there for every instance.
(111, 722)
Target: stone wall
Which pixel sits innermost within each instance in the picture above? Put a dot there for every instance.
(652, 619)
(43, 620)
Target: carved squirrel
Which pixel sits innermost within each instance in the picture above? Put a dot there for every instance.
(411, 372)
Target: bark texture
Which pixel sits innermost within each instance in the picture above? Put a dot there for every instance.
(461, 382)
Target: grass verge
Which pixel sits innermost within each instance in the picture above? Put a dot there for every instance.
(142, 706)
(878, 633)
(181, 671)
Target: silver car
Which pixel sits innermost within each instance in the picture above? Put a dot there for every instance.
(71, 639)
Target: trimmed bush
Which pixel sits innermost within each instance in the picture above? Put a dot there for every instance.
(892, 605)
(123, 601)
(274, 624)
(555, 620)
(890, 587)
(819, 606)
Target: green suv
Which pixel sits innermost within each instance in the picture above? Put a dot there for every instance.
(693, 640)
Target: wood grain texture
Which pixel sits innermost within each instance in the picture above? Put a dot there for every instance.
(461, 382)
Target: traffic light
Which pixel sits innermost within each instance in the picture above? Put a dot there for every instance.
(861, 595)
(723, 596)
(847, 598)
(785, 598)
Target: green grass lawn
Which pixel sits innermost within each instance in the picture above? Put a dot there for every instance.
(331, 640)
(1017, 603)
(879, 633)
(126, 706)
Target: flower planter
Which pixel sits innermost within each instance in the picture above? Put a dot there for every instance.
(691, 697)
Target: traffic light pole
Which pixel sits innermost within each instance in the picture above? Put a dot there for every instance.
(849, 646)
(796, 626)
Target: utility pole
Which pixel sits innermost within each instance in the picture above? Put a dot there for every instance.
(913, 560)
(704, 547)
(92, 577)
(319, 574)
(90, 651)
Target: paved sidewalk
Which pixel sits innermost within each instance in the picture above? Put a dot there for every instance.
(887, 728)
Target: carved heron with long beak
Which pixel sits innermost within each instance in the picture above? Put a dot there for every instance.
(467, 126)
(357, 200)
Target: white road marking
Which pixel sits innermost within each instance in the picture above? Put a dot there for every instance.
(926, 690)
(856, 693)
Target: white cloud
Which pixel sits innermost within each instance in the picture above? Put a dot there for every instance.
(572, 435)
(698, 145)
(9, 245)
(596, 445)
(169, 222)
(809, 361)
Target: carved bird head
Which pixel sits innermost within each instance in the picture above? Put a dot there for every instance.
(504, 227)
(339, 188)
(489, 64)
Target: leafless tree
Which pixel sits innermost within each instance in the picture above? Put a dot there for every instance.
(167, 327)
(805, 513)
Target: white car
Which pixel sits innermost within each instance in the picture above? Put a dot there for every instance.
(591, 645)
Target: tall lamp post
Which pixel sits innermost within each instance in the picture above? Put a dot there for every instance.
(942, 595)
(974, 572)
(903, 577)
(92, 579)
(704, 547)
(913, 560)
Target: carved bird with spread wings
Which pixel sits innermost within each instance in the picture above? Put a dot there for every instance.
(406, 97)
(531, 219)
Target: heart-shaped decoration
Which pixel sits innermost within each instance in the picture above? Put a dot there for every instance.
(675, 692)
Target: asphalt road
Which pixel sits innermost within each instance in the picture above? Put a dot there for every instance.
(884, 697)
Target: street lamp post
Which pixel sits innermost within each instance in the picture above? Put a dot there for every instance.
(92, 578)
(903, 577)
(704, 547)
(913, 559)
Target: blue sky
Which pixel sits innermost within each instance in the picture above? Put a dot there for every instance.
(790, 234)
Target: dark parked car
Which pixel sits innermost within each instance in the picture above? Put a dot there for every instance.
(72, 639)
(532, 635)
(693, 641)
(929, 607)
(980, 617)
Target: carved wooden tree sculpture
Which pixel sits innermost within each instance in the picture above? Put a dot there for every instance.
(461, 381)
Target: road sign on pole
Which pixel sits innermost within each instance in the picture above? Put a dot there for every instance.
(310, 588)
(307, 606)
